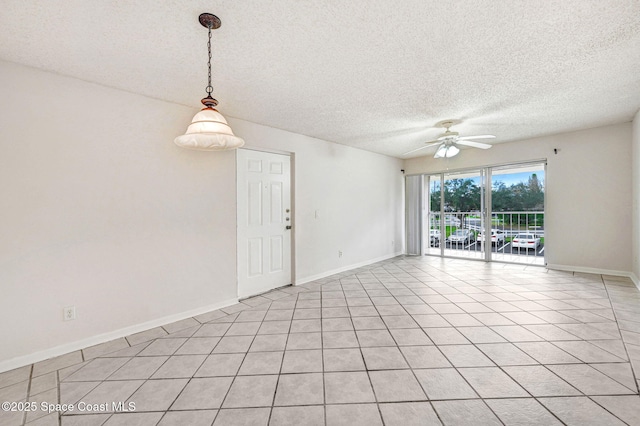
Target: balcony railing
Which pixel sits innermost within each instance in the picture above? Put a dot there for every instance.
(463, 235)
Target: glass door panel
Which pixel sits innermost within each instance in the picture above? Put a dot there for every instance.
(462, 221)
(517, 213)
(433, 231)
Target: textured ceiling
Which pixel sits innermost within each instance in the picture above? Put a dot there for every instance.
(374, 74)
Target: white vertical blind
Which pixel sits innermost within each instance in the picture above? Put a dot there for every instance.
(414, 191)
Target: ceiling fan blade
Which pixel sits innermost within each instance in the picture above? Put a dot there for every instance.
(430, 144)
(474, 144)
(477, 137)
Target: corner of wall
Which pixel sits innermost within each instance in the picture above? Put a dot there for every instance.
(635, 280)
(635, 195)
(308, 279)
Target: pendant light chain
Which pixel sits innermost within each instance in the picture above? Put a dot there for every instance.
(209, 87)
(209, 102)
(209, 130)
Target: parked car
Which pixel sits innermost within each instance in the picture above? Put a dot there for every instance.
(497, 236)
(461, 236)
(451, 221)
(526, 241)
(434, 237)
(470, 221)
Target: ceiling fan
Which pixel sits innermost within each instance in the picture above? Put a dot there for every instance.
(448, 141)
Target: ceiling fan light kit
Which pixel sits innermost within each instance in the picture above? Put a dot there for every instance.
(448, 142)
(209, 130)
(446, 151)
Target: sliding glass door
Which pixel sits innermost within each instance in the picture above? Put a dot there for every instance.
(454, 209)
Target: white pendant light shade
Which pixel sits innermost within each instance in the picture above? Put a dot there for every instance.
(209, 131)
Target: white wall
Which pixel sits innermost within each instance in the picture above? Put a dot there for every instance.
(588, 193)
(102, 211)
(635, 250)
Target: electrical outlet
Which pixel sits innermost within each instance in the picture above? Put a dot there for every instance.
(339, 253)
(69, 313)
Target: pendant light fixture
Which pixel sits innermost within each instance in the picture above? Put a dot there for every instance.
(209, 130)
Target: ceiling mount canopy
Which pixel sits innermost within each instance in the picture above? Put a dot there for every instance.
(209, 130)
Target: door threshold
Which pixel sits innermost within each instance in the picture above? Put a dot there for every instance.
(264, 292)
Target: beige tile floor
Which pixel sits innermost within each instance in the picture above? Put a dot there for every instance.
(409, 341)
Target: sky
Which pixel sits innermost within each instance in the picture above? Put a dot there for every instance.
(514, 178)
(509, 178)
(505, 177)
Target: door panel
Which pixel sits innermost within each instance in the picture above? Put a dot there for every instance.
(434, 243)
(276, 254)
(254, 253)
(276, 203)
(264, 211)
(462, 220)
(254, 204)
(517, 207)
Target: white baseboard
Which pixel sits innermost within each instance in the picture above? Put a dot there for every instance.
(345, 268)
(598, 271)
(21, 361)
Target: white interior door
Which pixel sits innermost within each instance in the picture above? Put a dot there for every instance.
(264, 221)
